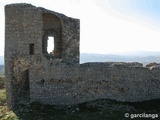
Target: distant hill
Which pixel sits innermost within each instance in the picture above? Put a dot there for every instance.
(1, 69)
(1, 65)
(141, 53)
(1, 60)
(88, 57)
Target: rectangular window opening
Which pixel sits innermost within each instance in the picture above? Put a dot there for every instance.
(31, 49)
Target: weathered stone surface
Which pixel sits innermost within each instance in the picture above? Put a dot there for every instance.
(32, 74)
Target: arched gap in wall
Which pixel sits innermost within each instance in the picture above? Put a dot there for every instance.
(47, 43)
(50, 45)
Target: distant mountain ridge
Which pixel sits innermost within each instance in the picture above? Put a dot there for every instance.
(1, 69)
(141, 53)
(1, 60)
(144, 57)
(89, 57)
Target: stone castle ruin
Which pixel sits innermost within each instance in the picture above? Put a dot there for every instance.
(33, 74)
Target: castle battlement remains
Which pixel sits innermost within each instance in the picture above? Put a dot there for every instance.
(57, 78)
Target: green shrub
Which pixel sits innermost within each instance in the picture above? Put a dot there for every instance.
(2, 96)
(10, 115)
(2, 82)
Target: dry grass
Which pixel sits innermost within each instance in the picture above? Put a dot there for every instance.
(5, 114)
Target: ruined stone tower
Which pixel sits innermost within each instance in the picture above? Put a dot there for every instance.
(26, 37)
(33, 74)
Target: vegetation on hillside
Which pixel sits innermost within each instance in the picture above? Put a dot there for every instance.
(5, 114)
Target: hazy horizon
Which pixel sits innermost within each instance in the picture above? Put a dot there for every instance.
(128, 53)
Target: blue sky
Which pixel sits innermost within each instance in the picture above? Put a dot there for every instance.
(142, 9)
(107, 26)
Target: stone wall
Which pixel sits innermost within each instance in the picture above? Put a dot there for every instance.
(72, 84)
(32, 74)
